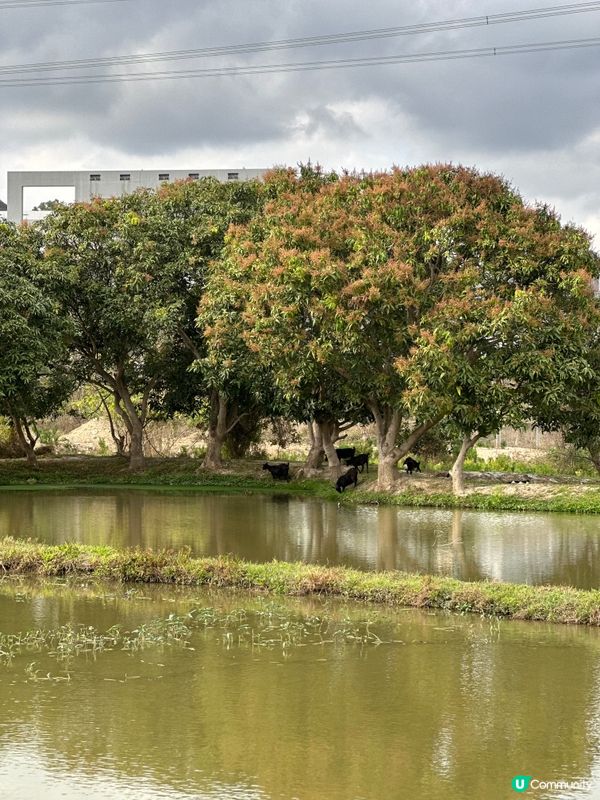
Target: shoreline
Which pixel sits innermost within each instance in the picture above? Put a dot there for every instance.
(556, 604)
(247, 477)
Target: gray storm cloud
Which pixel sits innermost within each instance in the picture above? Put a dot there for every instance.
(489, 111)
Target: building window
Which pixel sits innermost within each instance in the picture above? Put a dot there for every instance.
(95, 176)
(233, 176)
(125, 176)
(163, 176)
(194, 175)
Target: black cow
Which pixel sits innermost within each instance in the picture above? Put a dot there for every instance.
(412, 465)
(361, 461)
(347, 479)
(345, 452)
(279, 471)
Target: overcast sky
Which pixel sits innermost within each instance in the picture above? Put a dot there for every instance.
(535, 118)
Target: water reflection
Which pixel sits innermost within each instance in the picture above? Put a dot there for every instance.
(448, 703)
(523, 548)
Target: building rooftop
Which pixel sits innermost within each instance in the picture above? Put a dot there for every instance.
(86, 184)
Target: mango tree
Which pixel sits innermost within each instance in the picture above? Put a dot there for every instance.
(513, 346)
(342, 279)
(263, 317)
(33, 378)
(128, 273)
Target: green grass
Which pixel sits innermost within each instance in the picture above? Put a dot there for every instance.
(565, 502)
(247, 477)
(547, 603)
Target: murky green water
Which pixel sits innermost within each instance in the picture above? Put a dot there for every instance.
(522, 548)
(443, 707)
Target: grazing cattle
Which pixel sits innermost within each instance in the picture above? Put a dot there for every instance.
(347, 479)
(345, 452)
(412, 465)
(360, 461)
(279, 471)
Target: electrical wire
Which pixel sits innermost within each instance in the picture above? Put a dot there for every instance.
(17, 4)
(309, 41)
(262, 69)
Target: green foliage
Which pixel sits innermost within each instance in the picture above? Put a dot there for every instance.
(33, 335)
(244, 435)
(127, 274)
(419, 294)
(49, 436)
(103, 448)
(49, 205)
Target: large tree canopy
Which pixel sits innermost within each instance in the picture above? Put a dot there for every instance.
(343, 283)
(127, 273)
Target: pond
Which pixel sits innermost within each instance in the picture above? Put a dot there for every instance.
(202, 695)
(470, 545)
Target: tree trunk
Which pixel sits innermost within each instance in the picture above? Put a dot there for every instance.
(388, 421)
(316, 452)
(217, 430)
(326, 429)
(134, 422)
(457, 471)
(387, 473)
(595, 457)
(25, 440)
(223, 419)
(137, 459)
(119, 439)
(212, 458)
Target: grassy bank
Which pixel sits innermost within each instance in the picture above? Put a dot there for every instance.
(248, 477)
(550, 604)
(565, 500)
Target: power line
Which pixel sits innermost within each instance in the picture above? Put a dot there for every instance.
(12, 4)
(305, 66)
(309, 41)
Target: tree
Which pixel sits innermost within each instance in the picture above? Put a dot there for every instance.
(247, 350)
(576, 413)
(33, 379)
(49, 205)
(210, 208)
(514, 347)
(128, 273)
(343, 280)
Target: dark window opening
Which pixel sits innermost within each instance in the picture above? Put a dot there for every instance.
(233, 176)
(94, 176)
(163, 176)
(194, 175)
(125, 176)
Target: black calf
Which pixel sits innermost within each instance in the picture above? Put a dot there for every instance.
(279, 471)
(412, 465)
(361, 461)
(347, 479)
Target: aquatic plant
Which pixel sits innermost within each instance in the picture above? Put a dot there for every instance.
(269, 629)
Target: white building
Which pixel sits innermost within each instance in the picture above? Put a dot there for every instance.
(109, 183)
